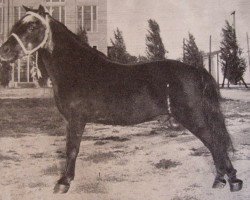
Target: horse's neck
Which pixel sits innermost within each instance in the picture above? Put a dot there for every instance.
(62, 52)
(61, 38)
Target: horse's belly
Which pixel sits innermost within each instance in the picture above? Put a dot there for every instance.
(129, 110)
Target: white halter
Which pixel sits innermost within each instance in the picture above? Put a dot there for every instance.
(46, 23)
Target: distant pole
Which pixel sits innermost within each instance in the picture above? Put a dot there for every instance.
(8, 17)
(234, 23)
(183, 49)
(218, 76)
(209, 56)
(248, 51)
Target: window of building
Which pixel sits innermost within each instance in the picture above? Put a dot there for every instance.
(87, 18)
(57, 8)
(1, 18)
(58, 13)
(1, 15)
(19, 12)
(55, 1)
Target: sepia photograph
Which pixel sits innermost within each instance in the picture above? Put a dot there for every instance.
(124, 99)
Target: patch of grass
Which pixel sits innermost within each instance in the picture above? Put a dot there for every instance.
(19, 116)
(166, 164)
(185, 198)
(195, 185)
(202, 151)
(113, 179)
(119, 146)
(184, 133)
(245, 144)
(37, 155)
(100, 142)
(52, 170)
(172, 134)
(236, 106)
(237, 115)
(100, 157)
(13, 152)
(87, 138)
(61, 153)
(111, 138)
(37, 185)
(8, 158)
(101, 129)
(94, 187)
(153, 132)
(115, 138)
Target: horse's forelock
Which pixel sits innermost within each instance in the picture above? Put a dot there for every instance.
(28, 18)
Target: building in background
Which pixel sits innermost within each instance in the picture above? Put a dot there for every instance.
(88, 14)
(215, 70)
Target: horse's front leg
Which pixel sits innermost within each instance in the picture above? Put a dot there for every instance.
(75, 129)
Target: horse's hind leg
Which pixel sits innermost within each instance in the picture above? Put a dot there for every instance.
(208, 125)
(219, 153)
(74, 134)
(221, 142)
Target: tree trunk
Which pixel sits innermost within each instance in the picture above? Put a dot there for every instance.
(223, 83)
(224, 77)
(244, 82)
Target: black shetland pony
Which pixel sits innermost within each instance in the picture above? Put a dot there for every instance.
(90, 88)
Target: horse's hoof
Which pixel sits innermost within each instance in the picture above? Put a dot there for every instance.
(219, 183)
(235, 185)
(61, 189)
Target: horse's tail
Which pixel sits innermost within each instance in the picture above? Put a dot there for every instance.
(211, 109)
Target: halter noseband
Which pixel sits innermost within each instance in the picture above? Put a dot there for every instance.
(46, 23)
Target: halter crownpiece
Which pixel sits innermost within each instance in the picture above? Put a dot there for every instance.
(45, 22)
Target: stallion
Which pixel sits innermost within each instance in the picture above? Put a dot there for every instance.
(88, 87)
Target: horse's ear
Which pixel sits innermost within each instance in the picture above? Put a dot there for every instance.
(26, 8)
(41, 10)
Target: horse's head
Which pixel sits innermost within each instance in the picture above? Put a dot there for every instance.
(28, 35)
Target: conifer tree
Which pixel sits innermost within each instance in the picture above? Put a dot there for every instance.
(82, 34)
(191, 54)
(118, 52)
(233, 64)
(155, 49)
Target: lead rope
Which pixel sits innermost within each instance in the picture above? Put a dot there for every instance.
(38, 72)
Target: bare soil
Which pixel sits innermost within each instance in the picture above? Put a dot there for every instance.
(147, 161)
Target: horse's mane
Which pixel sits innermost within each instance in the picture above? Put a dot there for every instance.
(76, 38)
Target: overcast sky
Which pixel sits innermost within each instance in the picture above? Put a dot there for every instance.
(176, 18)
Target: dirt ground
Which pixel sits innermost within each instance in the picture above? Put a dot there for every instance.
(146, 161)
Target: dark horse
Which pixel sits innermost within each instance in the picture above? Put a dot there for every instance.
(90, 88)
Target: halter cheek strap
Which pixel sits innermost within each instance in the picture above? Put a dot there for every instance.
(46, 35)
